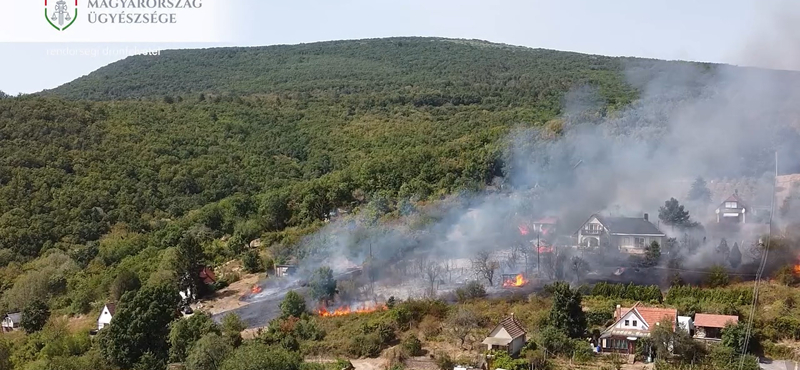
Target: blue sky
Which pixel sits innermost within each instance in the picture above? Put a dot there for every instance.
(727, 31)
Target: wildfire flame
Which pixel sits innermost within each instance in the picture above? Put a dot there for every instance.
(347, 310)
(517, 281)
(797, 269)
(256, 289)
(523, 230)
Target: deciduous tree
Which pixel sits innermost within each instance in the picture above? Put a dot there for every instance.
(566, 312)
(34, 316)
(293, 305)
(141, 325)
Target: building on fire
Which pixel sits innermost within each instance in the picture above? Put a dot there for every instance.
(627, 234)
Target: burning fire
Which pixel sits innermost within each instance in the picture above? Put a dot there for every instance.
(347, 310)
(256, 289)
(523, 229)
(797, 269)
(517, 281)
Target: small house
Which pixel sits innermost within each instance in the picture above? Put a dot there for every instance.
(285, 270)
(732, 210)
(508, 335)
(11, 321)
(709, 327)
(627, 234)
(106, 315)
(631, 325)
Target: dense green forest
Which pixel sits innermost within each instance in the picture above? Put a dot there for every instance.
(109, 182)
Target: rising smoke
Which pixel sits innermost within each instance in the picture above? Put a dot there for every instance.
(714, 121)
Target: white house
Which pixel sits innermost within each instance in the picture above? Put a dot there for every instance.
(732, 210)
(508, 335)
(633, 324)
(11, 321)
(627, 234)
(106, 315)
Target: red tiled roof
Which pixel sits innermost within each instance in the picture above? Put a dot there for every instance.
(714, 321)
(650, 315)
(513, 326)
(207, 275)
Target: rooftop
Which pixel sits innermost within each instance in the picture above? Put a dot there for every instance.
(629, 225)
(714, 321)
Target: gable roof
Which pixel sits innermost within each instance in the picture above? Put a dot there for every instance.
(650, 315)
(714, 321)
(112, 308)
(15, 317)
(512, 326)
(627, 225)
(733, 198)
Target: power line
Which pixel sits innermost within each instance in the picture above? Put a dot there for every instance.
(764, 255)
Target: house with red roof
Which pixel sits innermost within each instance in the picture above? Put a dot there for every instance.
(633, 324)
(507, 336)
(709, 327)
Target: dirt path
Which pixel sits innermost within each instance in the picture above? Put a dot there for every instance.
(228, 299)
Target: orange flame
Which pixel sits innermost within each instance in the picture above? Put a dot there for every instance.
(517, 281)
(347, 310)
(797, 269)
(256, 289)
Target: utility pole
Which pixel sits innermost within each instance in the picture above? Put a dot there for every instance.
(538, 260)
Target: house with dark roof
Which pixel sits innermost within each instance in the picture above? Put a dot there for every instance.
(627, 234)
(732, 210)
(633, 324)
(106, 315)
(11, 321)
(709, 327)
(508, 335)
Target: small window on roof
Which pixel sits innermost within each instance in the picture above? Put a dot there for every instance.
(634, 323)
(627, 323)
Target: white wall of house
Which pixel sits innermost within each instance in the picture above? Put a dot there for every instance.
(105, 319)
(631, 321)
(638, 242)
(7, 323)
(515, 346)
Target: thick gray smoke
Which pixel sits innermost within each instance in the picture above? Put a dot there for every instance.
(721, 123)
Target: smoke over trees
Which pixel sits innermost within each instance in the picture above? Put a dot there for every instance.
(699, 192)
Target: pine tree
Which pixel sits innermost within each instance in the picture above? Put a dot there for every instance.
(673, 214)
(700, 192)
(723, 248)
(735, 256)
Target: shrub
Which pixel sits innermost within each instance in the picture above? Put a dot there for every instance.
(444, 362)
(735, 296)
(430, 327)
(251, 262)
(473, 290)
(645, 293)
(412, 346)
(581, 351)
(365, 345)
(598, 317)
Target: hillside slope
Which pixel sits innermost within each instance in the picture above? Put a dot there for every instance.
(417, 70)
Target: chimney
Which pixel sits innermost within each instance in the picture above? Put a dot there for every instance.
(619, 312)
(646, 217)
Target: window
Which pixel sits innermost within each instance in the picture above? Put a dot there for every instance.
(634, 323)
(593, 228)
(639, 242)
(731, 205)
(627, 323)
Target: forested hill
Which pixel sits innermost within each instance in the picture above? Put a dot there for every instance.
(422, 71)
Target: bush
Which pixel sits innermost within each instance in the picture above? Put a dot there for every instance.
(598, 317)
(717, 277)
(365, 345)
(473, 290)
(735, 296)
(251, 262)
(633, 292)
(444, 362)
(430, 327)
(582, 351)
(412, 346)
